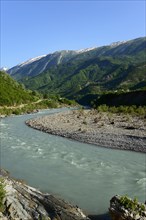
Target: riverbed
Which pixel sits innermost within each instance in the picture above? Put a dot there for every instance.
(83, 174)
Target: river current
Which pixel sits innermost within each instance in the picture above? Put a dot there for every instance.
(82, 174)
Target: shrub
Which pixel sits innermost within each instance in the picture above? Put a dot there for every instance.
(103, 108)
(16, 111)
(132, 205)
(133, 110)
(2, 194)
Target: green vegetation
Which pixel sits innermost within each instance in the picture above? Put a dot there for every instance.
(110, 75)
(74, 80)
(132, 205)
(33, 107)
(133, 110)
(15, 99)
(2, 194)
(12, 93)
(105, 75)
(103, 69)
(133, 103)
(119, 102)
(122, 98)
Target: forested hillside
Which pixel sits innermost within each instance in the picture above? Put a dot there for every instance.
(91, 76)
(113, 67)
(79, 75)
(13, 93)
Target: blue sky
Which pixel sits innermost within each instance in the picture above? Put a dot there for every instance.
(34, 28)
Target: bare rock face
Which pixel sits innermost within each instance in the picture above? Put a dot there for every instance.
(124, 208)
(23, 202)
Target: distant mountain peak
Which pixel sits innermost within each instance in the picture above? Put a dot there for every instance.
(115, 44)
(40, 64)
(85, 50)
(4, 68)
(31, 60)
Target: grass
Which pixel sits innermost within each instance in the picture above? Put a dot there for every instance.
(132, 205)
(2, 194)
(132, 110)
(28, 108)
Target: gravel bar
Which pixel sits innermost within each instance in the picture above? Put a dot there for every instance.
(114, 131)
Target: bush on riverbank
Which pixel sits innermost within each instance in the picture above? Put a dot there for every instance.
(32, 107)
(132, 205)
(2, 194)
(133, 110)
(123, 207)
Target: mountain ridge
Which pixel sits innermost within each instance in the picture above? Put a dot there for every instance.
(117, 66)
(61, 57)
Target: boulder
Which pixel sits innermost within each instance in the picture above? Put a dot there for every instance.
(124, 208)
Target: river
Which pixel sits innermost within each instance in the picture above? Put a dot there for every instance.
(83, 174)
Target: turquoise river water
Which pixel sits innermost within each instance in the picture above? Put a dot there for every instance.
(83, 174)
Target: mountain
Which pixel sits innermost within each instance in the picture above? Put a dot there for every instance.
(13, 93)
(3, 69)
(37, 65)
(73, 74)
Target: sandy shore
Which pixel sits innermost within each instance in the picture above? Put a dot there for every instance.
(102, 129)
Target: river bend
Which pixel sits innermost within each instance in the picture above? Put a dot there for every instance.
(83, 174)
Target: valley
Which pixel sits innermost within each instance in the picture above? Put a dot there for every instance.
(73, 74)
(88, 111)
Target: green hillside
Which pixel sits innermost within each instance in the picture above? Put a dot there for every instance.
(81, 75)
(91, 76)
(12, 93)
(15, 99)
(113, 67)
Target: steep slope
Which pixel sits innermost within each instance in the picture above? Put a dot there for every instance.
(92, 76)
(13, 93)
(75, 73)
(39, 64)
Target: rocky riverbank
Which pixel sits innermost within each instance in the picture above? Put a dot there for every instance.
(115, 131)
(24, 202)
(124, 208)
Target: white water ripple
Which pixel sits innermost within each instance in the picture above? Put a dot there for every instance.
(142, 182)
(85, 175)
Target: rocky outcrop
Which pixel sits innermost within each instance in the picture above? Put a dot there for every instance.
(23, 202)
(124, 208)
